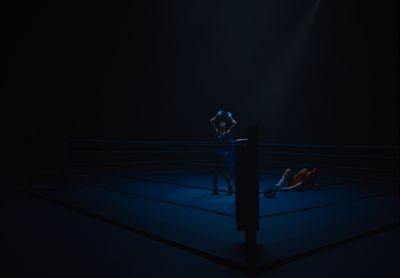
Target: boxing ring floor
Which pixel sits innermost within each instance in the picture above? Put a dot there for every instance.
(173, 208)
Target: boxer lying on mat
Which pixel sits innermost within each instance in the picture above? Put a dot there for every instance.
(304, 178)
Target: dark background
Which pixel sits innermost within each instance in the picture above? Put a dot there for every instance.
(158, 70)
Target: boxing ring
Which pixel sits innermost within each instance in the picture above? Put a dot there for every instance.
(164, 191)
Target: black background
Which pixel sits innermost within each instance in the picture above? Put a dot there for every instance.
(158, 70)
